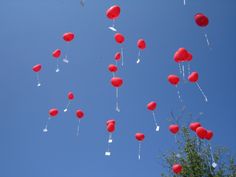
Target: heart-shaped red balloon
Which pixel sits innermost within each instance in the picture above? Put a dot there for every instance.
(193, 77)
(70, 96)
(152, 106)
(68, 36)
(139, 136)
(181, 55)
(111, 127)
(173, 79)
(56, 53)
(193, 126)
(201, 132)
(113, 12)
(112, 68)
(209, 135)
(141, 44)
(79, 114)
(116, 82)
(117, 56)
(37, 68)
(53, 112)
(174, 129)
(177, 168)
(201, 20)
(190, 57)
(119, 38)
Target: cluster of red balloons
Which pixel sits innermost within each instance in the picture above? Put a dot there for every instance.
(200, 131)
(54, 112)
(67, 37)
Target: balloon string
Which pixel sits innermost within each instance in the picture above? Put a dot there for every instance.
(203, 94)
(116, 63)
(155, 121)
(138, 59)
(57, 69)
(183, 72)
(175, 139)
(65, 59)
(117, 101)
(122, 56)
(108, 153)
(184, 2)
(179, 95)
(139, 151)
(66, 109)
(113, 74)
(212, 158)
(207, 40)
(113, 23)
(110, 138)
(78, 128)
(180, 69)
(45, 130)
(38, 81)
(189, 68)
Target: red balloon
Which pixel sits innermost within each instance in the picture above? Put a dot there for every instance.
(201, 132)
(193, 126)
(111, 121)
(152, 106)
(181, 55)
(37, 68)
(177, 168)
(174, 129)
(117, 56)
(53, 112)
(209, 135)
(141, 44)
(173, 79)
(116, 81)
(70, 96)
(56, 53)
(79, 114)
(68, 36)
(193, 77)
(112, 68)
(190, 57)
(139, 136)
(119, 38)
(113, 12)
(111, 127)
(201, 20)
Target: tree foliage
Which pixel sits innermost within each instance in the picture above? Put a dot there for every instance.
(197, 157)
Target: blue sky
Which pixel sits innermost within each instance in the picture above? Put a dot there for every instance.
(31, 30)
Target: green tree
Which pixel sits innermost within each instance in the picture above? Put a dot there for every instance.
(197, 158)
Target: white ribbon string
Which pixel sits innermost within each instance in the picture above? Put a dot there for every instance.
(155, 121)
(67, 106)
(38, 81)
(78, 128)
(203, 94)
(117, 100)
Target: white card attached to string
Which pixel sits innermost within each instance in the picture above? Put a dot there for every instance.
(158, 128)
(138, 61)
(45, 130)
(214, 165)
(65, 60)
(112, 28)
(107, 153)
(110, 141)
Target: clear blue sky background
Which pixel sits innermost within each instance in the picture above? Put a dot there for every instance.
(31, 29)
